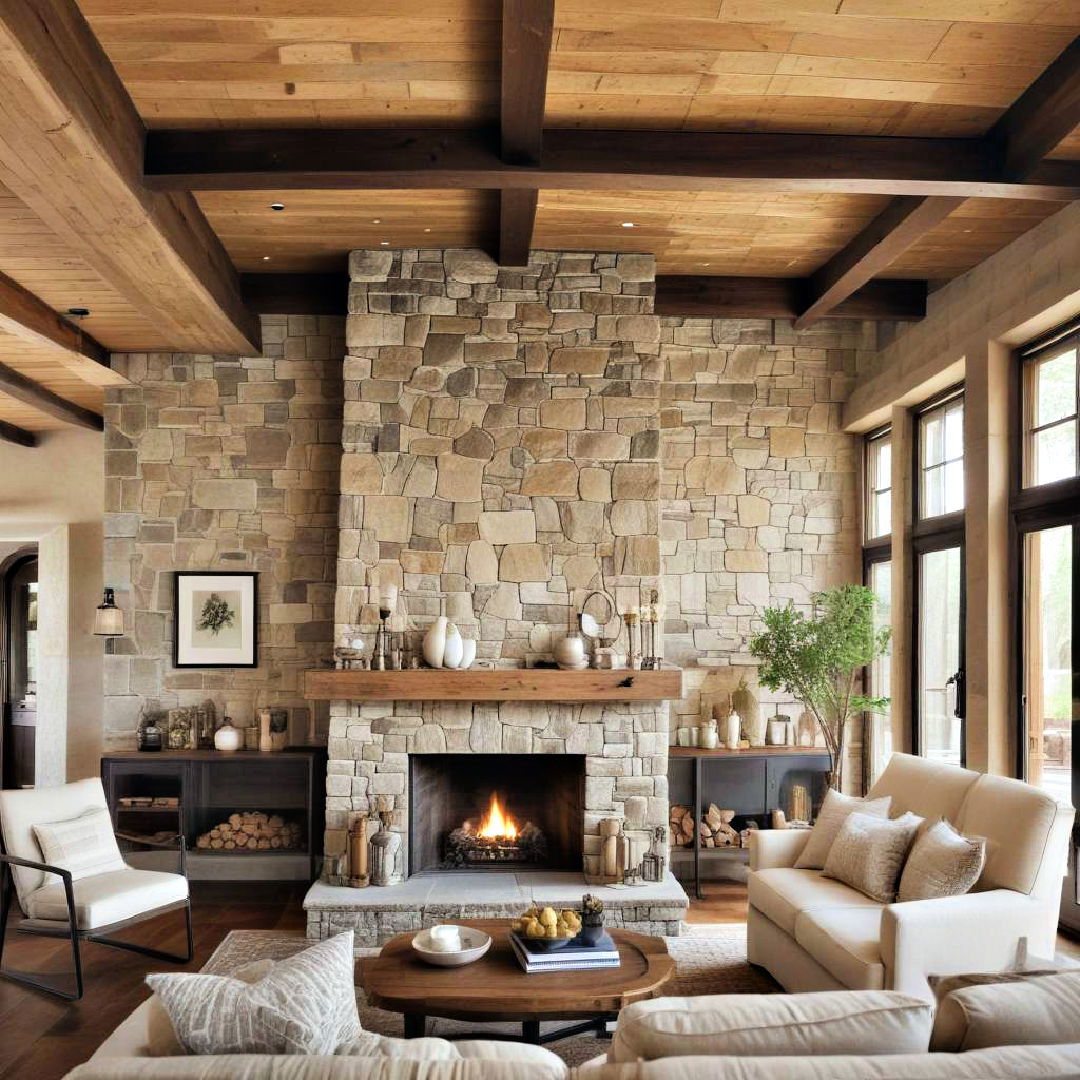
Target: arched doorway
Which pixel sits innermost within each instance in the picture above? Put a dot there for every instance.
(18, 670)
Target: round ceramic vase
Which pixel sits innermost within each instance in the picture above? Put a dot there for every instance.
(435, 642)
(453, 650)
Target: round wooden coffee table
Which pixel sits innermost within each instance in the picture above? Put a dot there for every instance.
(495, 988)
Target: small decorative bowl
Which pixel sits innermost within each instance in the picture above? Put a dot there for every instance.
(474, 943)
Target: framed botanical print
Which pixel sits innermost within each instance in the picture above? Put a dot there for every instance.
(216, 618)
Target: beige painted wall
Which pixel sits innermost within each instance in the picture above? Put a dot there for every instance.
(53, 495)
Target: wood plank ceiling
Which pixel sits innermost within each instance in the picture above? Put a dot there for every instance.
(882, 69)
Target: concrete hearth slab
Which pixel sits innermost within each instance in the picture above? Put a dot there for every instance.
(377, 914)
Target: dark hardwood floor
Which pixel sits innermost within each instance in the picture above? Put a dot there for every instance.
(44, 1037)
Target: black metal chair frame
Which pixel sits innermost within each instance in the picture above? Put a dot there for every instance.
(72, 931)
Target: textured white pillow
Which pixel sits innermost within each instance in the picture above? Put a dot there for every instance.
(943, 862)
(305, 1005)
(834, 811)
(85, 845)
(869, 852)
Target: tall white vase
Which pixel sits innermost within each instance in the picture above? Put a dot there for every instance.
(453, 649)
(732, 731)
(435, 642)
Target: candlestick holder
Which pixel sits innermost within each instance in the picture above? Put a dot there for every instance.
(633, 653)
(379, 661)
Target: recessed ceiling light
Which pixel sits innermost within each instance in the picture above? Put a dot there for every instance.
(427, 230)
(266, 258)
(384, 243)
(376, 221)
(277, 206)
(627, 224)
(78, 312)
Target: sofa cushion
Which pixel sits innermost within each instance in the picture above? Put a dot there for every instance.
(930, 789)
(1017, 820)
(305, 1005)
(109, 898)
(868, 854)
(943, 862)
(846, 942)
(1001, 1063)
(868, 1022)
(1025, 1010)
(831, 817)
(782, 893)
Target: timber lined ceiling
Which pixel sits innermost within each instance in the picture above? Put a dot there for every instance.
(892, 68)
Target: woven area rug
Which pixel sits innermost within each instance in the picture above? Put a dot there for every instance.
(710, 958)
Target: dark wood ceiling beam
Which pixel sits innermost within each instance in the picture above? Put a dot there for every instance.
(1043, 115)
(25, 316)
(282, 159)
(16, 385)
(527, 26)
(783, 298)
(904, 221)
(17, 435)
(72, 149)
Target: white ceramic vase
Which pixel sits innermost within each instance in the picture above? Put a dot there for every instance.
(453, 649)
(732, 731)
(468, 653)
(570, 653)
(435, 642)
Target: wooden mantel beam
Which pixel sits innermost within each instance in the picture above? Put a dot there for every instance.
(285, 158)
(527, 26)
(71, 147)
(28, 318)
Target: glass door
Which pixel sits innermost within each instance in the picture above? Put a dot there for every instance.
(939, 690)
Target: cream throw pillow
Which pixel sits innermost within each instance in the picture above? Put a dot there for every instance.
(834, 811)
(943, 862)
(85, 845)
(868, 854)
(305, 1005)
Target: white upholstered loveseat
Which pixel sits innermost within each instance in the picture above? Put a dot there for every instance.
(813, 933)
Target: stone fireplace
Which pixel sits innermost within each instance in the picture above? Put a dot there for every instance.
(501, 460)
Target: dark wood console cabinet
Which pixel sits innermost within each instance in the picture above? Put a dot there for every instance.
(210, 786)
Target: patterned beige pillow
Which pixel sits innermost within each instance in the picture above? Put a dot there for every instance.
(305, 1005)
(85, 845)
(943, 862)
(834, 810)
(869, 854)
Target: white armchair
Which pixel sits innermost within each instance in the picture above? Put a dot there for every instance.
(81, 905)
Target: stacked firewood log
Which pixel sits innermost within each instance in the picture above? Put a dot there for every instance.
(253, 832)
(715, 827)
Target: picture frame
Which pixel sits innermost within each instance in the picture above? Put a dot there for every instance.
(216, 619)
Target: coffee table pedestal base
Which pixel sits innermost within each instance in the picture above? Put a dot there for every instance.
(416, 1028)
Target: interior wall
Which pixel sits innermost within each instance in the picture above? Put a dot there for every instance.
(224, 463)
(53, 495)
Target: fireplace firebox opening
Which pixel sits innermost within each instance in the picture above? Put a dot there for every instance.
(496, 811)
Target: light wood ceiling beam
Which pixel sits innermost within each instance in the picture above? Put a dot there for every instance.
(16, 385)
(572, 159)
(1042, 116)
(26, 317)
(17, 435)
(71, 147)
(1030, 128)
(527, 27)
(782, 298)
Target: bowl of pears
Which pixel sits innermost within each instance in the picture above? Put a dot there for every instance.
(547, 929)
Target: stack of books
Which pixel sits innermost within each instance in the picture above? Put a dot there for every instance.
(572, 957)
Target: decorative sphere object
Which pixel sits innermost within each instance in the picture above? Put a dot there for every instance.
(227, 738)
(570, 653)
(473, 944)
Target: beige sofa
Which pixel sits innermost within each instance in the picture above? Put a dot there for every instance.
(813, 933)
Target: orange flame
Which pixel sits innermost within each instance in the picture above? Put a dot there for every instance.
(497, 825)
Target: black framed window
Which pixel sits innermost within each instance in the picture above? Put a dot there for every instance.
(938, 566)
(877, 576)
(1051, 402)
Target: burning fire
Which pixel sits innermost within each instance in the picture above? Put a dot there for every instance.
(497, 825)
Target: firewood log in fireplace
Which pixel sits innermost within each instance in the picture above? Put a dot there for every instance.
(467, 847)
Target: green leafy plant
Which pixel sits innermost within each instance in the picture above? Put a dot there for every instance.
(216, 615)
(818, 657)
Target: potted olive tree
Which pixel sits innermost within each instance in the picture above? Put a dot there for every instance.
(818, 657)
